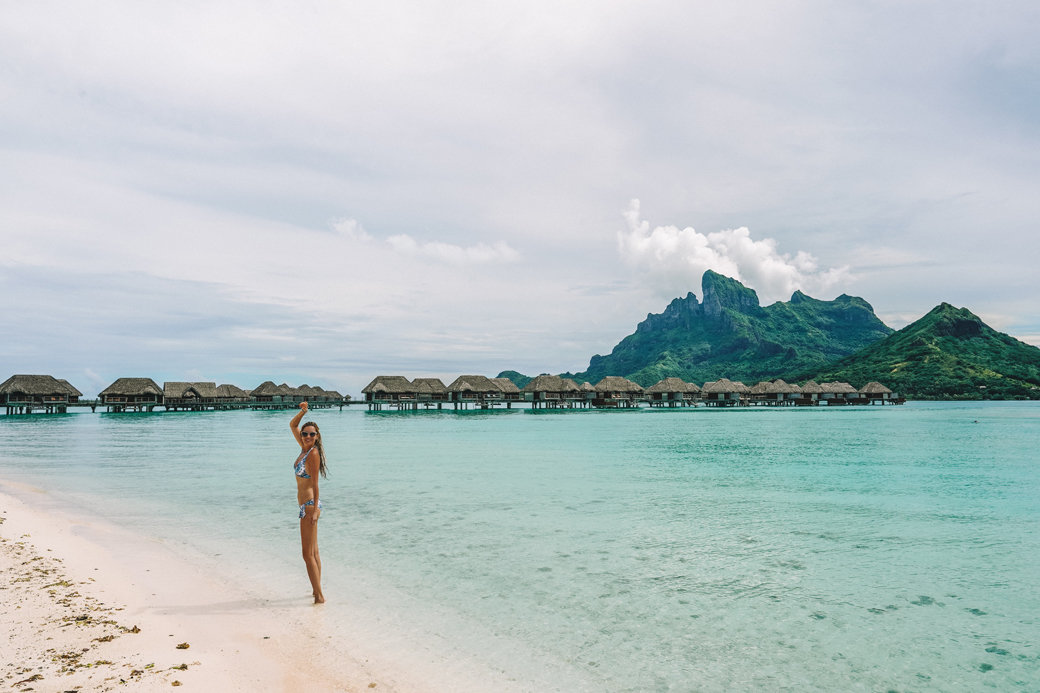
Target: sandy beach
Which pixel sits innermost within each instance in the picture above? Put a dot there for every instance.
(90, 606)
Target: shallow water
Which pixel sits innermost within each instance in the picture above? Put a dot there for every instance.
(867, 548)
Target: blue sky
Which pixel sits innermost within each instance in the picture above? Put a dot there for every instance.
(323, 192)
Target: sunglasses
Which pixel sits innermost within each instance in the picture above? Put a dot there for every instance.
(308, 435)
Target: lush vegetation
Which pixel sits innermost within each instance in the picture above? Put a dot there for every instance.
(730, 335)
(519, 379)
(948, 354)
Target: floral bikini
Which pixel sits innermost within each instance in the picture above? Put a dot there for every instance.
(300, 469)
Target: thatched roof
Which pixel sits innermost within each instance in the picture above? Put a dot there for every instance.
(232, 391)
(265, 389)
(587, 387)
(777, 387)
(812, 388)
(874, 388)
(175, 389)
(38, 385)
(551, 383)
(394, 384)
(838, 388)
(474, 383)
(132, 386)
(505, 385)
(206, 390)
(434, 386)
(69, 388)
(615, 383)
(725, 386)
(284, 390)
(335, 395)
(672, 385)
(179, 390)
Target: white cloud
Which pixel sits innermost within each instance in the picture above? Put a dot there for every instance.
(452, 254)
(673, 259)
(479, 254)
(351, 229)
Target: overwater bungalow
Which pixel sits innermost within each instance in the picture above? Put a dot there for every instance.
(876, 393)
(308, 393)
(554, 392)
(335, 397)
(725, 393)
(810, 396)
(298, 393)
(791, 391)
(23, 394)
(179, 395)
(390, 390)
(430, 392)
(477, 390)
(131, 394)
(613, 391)
(288, 394)
(765, 392)
(510, 392)
(837, 393)
(266, 394)
(232, 395)
(775, 393)
(199, 396)
(672, 392)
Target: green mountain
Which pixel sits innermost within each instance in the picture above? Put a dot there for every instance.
(949, 353)
(730, 335)
(518, 378)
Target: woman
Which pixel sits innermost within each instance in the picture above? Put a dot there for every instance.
(307, 467)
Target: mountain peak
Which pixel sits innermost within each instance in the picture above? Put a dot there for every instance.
(722, 292)
(799, 297)
(730, 334)
(949, 321)
(679, 312)
(950, 352)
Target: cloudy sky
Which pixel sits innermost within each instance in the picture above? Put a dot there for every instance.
(322, 192)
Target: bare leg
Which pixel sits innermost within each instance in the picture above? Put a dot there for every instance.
(317, 559)
(311, 557)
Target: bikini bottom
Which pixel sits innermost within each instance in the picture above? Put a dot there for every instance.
(303, 508)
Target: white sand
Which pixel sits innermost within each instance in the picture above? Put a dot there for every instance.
(90, 606)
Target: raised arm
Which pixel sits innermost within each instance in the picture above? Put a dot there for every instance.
(295, 423)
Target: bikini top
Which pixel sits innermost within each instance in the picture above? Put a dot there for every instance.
(300, 468)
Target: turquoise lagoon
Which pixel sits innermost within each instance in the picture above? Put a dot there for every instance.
(867, 548)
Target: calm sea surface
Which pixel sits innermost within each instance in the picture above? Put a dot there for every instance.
(867, 548)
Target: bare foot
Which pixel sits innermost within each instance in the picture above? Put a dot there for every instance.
(319, 598)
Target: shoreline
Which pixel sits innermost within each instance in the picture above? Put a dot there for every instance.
(89, 605)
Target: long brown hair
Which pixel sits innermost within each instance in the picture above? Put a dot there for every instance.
(317, 444)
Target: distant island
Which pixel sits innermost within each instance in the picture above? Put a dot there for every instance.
(950, 353)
